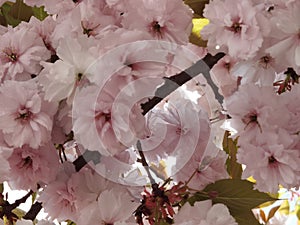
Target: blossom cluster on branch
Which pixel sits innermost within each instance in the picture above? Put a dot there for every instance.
(109, 114)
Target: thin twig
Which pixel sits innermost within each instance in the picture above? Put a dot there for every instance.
(144, 162)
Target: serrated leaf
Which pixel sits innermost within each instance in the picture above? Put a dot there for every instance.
(195, 38)
(237, 195)
(234, 169)
(284, 207)
(20, 12)
(39, 13)
(197, 5)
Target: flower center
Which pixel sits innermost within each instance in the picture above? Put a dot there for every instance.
(106, 116)
(251, 118)
(265, 61)
(156, 29)
(24, 115)
(227, 66)
(27, 162)
(236, 27)
(272, 160)
(88, 29)
(79, 77)
(10, 55)
(181, 131)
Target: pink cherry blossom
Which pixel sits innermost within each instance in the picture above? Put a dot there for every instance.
(292, 99)
(209, 168)
(260, 70)
(44, 29)
(167, 20)
(60, 79)
(5, 152)
(254, 109)
(112, 206)
(276, 161)
(3, 30)
(85, 19)
(204, 213)
(172, 129)
(92, 123)
(26, 118)
(31, 167)
(21, 51)
(221, 74)
(59, 198)
(287, 48)
(87, 186)
(233, 28)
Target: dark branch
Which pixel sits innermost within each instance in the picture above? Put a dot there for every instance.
(144, 162)
(7, 208)
(33, 211)
(172, 83)
(86, 157)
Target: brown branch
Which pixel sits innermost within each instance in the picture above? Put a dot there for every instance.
(33, 211)
(7, 208)
(172, 83)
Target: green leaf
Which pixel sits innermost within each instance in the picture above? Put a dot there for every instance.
(20, 11)
(1, 188)
(197, 5)
(7, 19)
(39, 13)
(237, 195)
(14, 13)
(234, 169)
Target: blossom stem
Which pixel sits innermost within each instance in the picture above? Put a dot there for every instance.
(191, 177)
(144, 162)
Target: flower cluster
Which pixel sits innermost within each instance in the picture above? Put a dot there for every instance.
(258, 78)
(79, 128)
